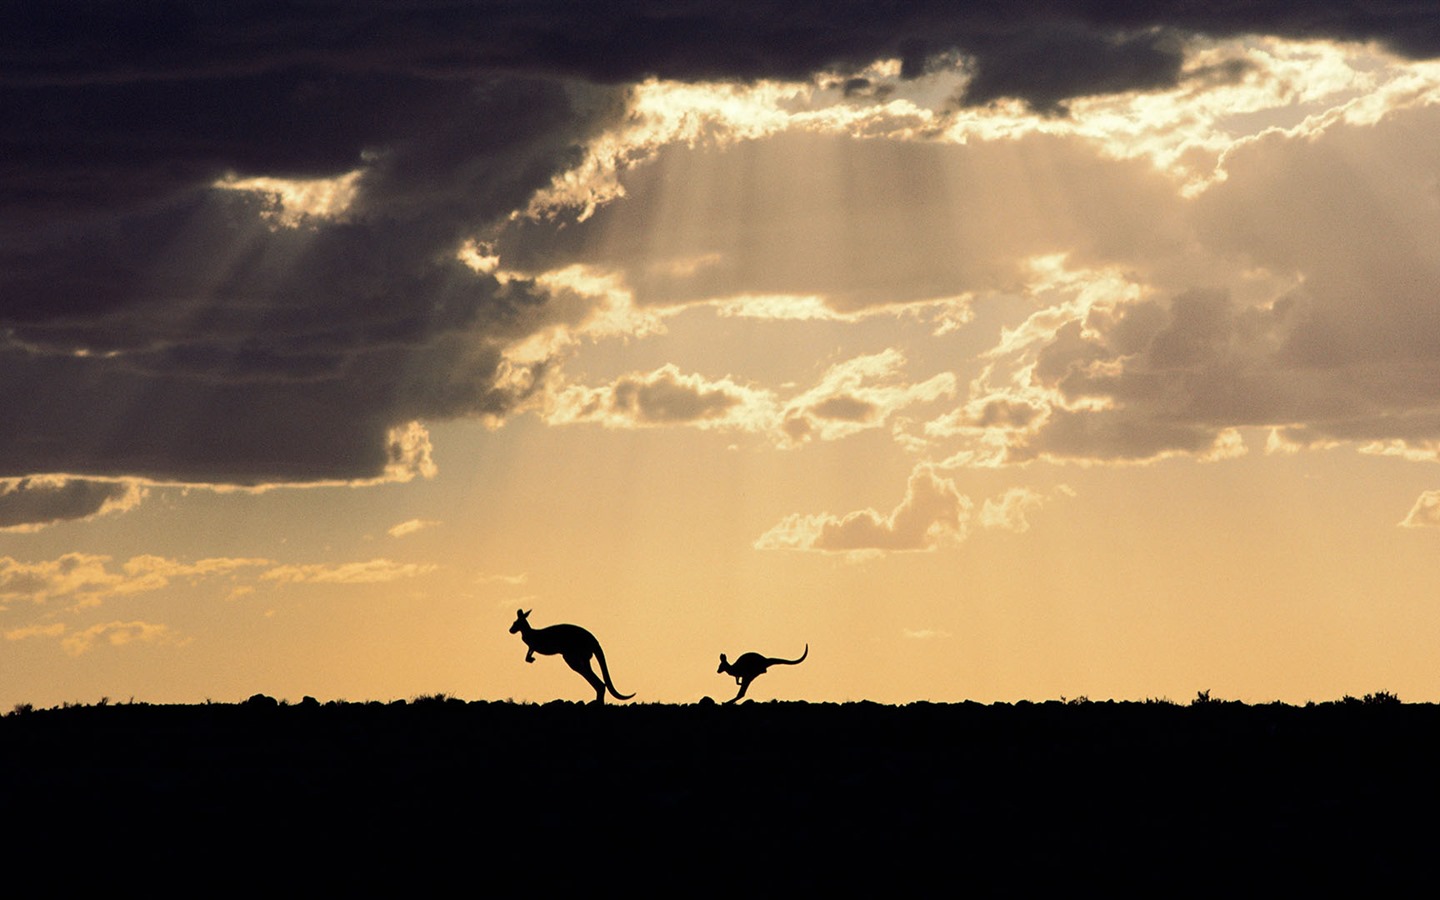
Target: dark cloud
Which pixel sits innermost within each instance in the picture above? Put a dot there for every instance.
(30, 502)
(1208, 365)
(1004, 414)
(1108, 44)
(666, 396)
(1022, 64)
(1171, 376)
(189, 338)
(845, 408)
(860, 86)
(152, 325)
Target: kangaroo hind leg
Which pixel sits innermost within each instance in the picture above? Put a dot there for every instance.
(582, 665)
(744, 686)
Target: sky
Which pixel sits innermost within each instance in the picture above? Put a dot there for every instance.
(1084, 350)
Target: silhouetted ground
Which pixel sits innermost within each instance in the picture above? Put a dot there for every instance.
(440, 795)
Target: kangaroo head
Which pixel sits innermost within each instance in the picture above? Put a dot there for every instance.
(724, 663)
(520, 620)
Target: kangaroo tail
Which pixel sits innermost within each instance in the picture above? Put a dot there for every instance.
(605, 670)
(792, 662)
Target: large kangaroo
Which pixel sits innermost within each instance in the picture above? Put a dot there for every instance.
(574, 644)
(751, 666)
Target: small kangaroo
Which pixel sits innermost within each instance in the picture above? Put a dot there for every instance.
(574, 644)
(751, 666)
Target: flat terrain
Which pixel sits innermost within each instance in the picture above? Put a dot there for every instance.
(440, 794)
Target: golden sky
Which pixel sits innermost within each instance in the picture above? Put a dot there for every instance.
(984, 384)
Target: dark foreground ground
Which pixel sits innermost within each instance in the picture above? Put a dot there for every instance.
(439, 797)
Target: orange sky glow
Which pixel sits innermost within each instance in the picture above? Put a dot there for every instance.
(1130, 394)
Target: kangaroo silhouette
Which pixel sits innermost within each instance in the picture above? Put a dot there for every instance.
(751, 666)
(574, 644)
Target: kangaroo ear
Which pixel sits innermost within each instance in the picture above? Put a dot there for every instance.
(527, 613)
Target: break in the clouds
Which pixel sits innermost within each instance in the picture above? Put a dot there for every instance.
(231, 249)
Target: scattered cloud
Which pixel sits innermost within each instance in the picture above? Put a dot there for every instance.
(856, 395)
(90, 579)
(1012, 510)
(859, 394)
(76, 574)
(665, 396)
(51, 630)
(1425, 513)
(373, 571)
(924, 634)
(932, 513)
(120, 634)
(502, 579)
(410, 526)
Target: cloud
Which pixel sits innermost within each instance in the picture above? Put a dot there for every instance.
(410, 526)
(374, 571)
(119, 634)
(1020, 63)
(71, 574)
(932, 513)
(502, 579)
(52, 630)
(665, 396)
(28, 504)
(1425, 513)
(165, 328)
(924, 634)
(859, 394)
(626, 42)
(852, 396)
(1316, 325)
(91, 579)
(86, 580)
(157, 323)
(1012, 510)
